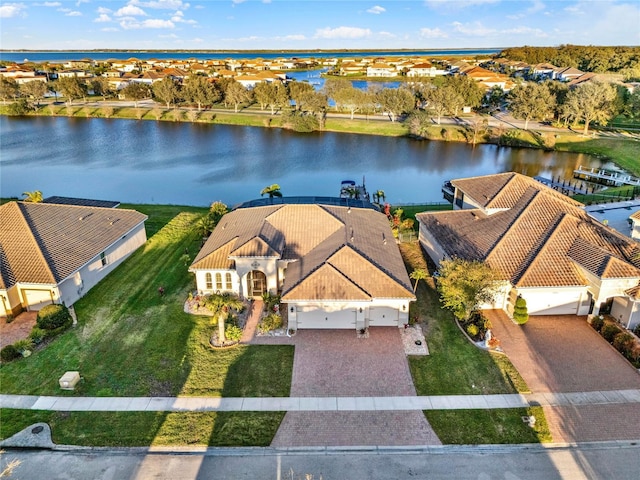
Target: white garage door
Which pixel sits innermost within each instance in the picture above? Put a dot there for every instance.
(36, 299)
(322, 318)
(383, 317)
(552, 303)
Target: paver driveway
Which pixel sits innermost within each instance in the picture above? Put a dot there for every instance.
(337, 363)
(564, 354)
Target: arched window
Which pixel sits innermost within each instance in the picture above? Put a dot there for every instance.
(208, 281)
(228, 281)
(218, 281)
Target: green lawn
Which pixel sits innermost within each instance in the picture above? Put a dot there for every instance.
(129, 341)
(132, 429)
(456, 367)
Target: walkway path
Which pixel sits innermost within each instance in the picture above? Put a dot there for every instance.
(317, 404)
(249, 330)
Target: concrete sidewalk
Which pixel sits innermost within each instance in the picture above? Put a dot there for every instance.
(324, 404)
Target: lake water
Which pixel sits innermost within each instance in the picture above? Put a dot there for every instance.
(192, 164)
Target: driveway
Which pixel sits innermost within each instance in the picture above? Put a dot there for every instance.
(18, 329)
(337, 363)
(564, 354)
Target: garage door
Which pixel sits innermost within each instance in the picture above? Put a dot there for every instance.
(36, 299)
(383, 317)
(322, 318)
(552, 303)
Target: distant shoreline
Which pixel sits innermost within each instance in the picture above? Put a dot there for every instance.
(312, 50)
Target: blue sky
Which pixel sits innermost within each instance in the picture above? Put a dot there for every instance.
(301, 24)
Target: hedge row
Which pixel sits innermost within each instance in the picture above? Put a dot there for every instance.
(620, 338)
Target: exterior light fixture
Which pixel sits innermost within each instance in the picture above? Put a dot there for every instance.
(292, 310)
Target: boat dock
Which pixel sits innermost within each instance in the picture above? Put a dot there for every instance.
(567, 188)
(605, 177)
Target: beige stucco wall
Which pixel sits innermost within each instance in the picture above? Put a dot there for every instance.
(430, 245)
(268, 266)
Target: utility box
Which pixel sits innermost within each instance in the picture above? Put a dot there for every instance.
(69, 380)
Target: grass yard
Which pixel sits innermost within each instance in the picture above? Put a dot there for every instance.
(129, 341)
(133, 429)
(456, 367)
(625, 152)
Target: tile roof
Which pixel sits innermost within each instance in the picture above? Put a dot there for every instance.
(45, 243)
(541, 240)
(353, 247)
(86, 202)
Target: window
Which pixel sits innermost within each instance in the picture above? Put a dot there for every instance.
(209, 281)
(103, 259)
(228, 281)
(218, 281)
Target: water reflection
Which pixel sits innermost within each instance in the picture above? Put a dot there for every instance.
(181, 163)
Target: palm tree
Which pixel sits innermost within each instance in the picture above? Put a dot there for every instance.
(379, 195)
(272, 191)
(34, 197)
(417, 275)
(219, 305)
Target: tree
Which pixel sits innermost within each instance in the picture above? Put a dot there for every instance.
(315, 103)
(590, 102)
(378, 196)
(219, 304)
(532, 101)
(237, 95)
(136, 91)
(350, 99)
(476, 127)
(469, 93)
(298, 91)
(495, 96)
(35, 90)
(440, 100)
(72, 88)
(265, 93)
(166, 91)
(8, 88)
(395, 101)
(333, 85)
(101, 86)
(520, 312)
(464, 285)
(272, 191)
(33, 197)
(417, 275)
(197, 89)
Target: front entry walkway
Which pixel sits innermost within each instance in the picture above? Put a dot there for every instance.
(337, 363)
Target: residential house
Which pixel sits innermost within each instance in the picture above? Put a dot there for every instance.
(55, 253)
(543, 244)
(567, 74)
(426, 69)
(334, 261)
(381, 70)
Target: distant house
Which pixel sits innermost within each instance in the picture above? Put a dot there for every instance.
(334, 262)
(544, 245)
(55, 253)
(424, 70)
(381, 70)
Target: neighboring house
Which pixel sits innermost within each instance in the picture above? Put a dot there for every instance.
(545, 246)
(54, 253)
(381, 70)
(635, 225)
(424, 70)
(335, 264)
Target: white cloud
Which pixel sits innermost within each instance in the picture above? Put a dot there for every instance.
(456, 5)
(50, 4)
(161, 4)
(73, 13)
(432, 33)
(130, 11)
(537, 6)
(102, 10)
(574, 10)
(377, 10)
(342, 32)
(102, 18)
(80, 2)
(387, 35)
(9, 10)
(134, 24)
(475, 30)
(293, 38)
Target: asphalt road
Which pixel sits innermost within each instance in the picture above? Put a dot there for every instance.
(620, 461)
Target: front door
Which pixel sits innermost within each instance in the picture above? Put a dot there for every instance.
(257, 282)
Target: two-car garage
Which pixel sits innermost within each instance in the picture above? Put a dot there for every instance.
(342, 316)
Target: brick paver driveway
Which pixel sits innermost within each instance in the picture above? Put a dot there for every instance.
(337, 363)
(564, 354)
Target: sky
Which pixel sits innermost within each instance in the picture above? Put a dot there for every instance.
(303, 24)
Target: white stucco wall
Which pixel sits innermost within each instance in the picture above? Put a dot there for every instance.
(268, 266)
(430, 245)
(626, 311)
(201, 281)
(554, 300)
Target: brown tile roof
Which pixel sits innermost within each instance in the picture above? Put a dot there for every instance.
(635, 216)
(541, 240)
(45, 243)
(351, 246)
(634, 292)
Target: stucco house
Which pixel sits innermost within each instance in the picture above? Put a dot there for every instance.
(54, 253)
(334, 261)
(545, 246)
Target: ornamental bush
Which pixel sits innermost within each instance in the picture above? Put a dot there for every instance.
(623, 342)
(53, 317)
(609, 332)
(597, 323)
(9, 353)
(520, 312)
(473, 330)
(37, 335)
(233, 333)
(270, 322)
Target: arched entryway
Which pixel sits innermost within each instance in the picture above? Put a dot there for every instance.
(256, 283)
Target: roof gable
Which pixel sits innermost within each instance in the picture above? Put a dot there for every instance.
(326, 283)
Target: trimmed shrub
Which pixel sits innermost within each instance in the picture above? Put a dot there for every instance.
(473, 330)
(10, 318)
(9, 353)
(609, 331)
(53, 317)
(520, 312)
(623, 342)
(597, 323)
(637, 330)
